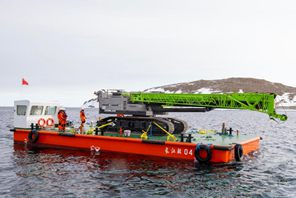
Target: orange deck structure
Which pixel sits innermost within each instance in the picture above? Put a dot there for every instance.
(205, 150)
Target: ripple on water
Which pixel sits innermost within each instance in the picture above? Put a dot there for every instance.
(269, 172)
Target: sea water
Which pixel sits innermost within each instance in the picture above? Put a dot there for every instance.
(269, 172)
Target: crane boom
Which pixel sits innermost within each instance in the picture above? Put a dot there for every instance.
(261, 102)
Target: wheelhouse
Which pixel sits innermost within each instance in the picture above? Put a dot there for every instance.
(27, 112)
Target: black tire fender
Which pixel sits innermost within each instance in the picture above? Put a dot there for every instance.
(238, 152)
(208, 150)
(33, 136)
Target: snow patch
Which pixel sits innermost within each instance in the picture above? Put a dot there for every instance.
(285, 101)
(155, 90)
(206, 91)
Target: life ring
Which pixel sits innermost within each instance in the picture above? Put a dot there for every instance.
(238, 152)
(207, 149)
(41, 122)
(49, 122)
(33, 136)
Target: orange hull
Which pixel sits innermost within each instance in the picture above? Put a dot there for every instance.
(167, 149)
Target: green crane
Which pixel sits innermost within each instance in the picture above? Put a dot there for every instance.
(140, 108)
(262, 102)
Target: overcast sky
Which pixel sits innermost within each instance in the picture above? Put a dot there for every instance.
(69, 49)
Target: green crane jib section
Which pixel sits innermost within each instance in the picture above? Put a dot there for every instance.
(262, 102)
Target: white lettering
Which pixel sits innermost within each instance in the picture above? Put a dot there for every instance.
(167, 150)
(179, 151)
(173, 150)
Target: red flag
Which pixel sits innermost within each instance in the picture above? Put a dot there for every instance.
(24, 82)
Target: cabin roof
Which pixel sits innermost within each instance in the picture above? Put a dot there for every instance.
(28, 102)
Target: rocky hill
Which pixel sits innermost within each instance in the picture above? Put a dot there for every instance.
(286, 94)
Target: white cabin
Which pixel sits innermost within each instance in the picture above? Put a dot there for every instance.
(27, 112)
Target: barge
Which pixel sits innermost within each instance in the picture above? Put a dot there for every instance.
(218, 148)
(35, 124)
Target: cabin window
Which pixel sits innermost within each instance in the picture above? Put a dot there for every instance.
(50, 110)
(36, 110)
(21, 110)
